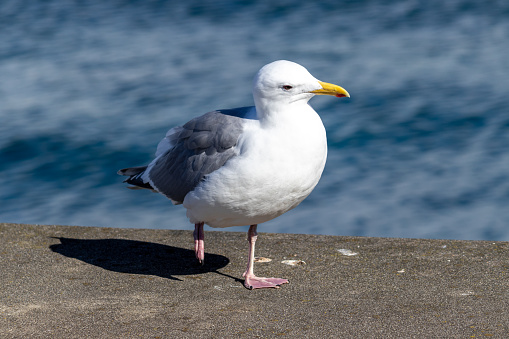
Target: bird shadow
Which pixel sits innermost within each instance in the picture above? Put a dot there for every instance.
(139, 257)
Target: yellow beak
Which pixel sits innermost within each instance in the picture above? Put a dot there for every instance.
(331, 89)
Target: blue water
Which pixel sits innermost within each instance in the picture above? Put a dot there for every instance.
(420, 150)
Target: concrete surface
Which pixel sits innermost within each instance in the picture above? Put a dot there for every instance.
(77, 282)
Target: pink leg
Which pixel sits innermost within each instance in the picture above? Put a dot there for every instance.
(252, 281)
(199, 244)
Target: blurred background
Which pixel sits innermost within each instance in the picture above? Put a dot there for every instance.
(420, 150)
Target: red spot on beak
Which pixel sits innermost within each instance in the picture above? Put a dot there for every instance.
(340, 95)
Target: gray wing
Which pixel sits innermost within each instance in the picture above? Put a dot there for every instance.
(200, 147)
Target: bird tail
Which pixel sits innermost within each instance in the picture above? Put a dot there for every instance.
(135, 177)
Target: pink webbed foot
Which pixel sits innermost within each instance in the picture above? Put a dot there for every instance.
(253, 282)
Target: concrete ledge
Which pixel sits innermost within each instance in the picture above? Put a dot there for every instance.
(73, 282)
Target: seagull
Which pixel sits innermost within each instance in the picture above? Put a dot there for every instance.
(247, 165)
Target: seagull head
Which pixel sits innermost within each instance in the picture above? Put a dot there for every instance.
(284, 82)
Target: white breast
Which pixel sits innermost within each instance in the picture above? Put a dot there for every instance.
(278, 166)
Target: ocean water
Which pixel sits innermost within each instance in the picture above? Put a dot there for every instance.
(420, 150)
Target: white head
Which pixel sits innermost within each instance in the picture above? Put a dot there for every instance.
(284, 82)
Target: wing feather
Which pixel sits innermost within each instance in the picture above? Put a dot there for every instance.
(189, 153)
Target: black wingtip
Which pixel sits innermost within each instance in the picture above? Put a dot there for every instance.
(130, 171)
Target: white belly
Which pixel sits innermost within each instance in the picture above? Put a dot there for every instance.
(276, 169)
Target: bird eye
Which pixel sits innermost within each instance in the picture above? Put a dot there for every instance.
(287, 87)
